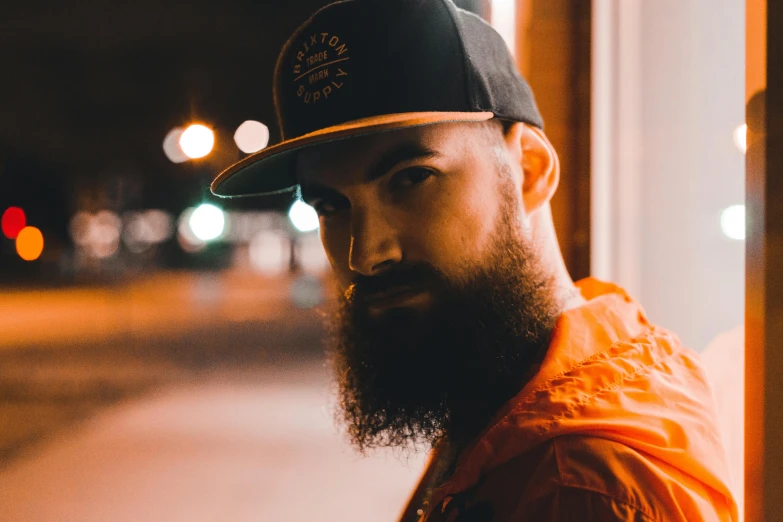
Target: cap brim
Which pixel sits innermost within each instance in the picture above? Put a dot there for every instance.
(270, 171)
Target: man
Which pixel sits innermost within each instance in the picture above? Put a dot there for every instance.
(407, 127)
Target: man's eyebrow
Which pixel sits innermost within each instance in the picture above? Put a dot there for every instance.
(313, 191)
(404, 152)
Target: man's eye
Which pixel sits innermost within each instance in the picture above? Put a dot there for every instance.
(411, 176)
(324, 207)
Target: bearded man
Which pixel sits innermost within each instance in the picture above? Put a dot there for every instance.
(407, 127)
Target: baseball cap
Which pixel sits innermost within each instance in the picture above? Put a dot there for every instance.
(358, 67)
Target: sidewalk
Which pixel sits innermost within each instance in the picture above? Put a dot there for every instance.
(67, 353)
(228, 450)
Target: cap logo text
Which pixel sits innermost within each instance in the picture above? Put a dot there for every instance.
(320, 67)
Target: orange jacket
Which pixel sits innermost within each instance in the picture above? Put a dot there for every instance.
(617, 425)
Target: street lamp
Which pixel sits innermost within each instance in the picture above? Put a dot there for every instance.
(197, 141)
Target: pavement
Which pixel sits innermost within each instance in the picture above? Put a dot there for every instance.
(193, 397)
(221, 451)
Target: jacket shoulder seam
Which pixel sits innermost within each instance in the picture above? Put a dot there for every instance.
(618, 381)
(646, 515)
(602, 354)
(562, 482)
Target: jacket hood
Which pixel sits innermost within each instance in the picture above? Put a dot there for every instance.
(610, 374)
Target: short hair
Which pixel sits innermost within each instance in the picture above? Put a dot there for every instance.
(496, 128)
(494, 131)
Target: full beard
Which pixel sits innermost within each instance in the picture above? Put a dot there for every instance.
(411, 377)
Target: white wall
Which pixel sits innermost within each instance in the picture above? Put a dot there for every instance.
(676, 79)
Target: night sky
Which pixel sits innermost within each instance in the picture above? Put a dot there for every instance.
(90, 89)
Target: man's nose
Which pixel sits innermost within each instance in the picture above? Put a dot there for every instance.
(374, 244)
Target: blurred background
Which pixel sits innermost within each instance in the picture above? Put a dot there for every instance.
(160, 349)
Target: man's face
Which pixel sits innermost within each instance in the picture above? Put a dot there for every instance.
(444, 306)
(423, 194)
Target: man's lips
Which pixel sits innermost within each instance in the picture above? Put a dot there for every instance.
(385, 294)
(393, 296)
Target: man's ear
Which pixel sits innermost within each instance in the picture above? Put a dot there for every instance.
(540, 164)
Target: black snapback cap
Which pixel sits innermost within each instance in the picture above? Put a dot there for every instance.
(358, 67)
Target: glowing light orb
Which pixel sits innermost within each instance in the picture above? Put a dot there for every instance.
(270, 253)
(185, 237)
(741, 137)
(303, 216)
(145, 228)
(197, 141)
(29, 243)
(13, 221)
(207, 222)
(81, 228)
(311, 254)
(732, 221)
(251, 136)
(171, 146)
(105, 234)
(97, 235)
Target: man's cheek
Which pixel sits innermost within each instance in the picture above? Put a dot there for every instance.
(467, 219)
(337, 245)
(460, 239)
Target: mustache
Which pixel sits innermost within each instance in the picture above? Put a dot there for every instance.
(420, 275)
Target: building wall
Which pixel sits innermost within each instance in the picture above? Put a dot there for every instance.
(691, 276)
(553, 52)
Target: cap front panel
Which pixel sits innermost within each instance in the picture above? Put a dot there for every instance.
(359, 59)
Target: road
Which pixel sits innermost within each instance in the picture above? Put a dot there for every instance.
(194, 397)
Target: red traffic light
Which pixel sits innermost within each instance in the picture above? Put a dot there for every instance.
(13, 222)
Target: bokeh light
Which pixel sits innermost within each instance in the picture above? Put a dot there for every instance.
(96, 234)
(106, 234)
(80, 228)
(732, 221)
(270, 253)
(303, 216)
(185, 237)
(311, 254)
(197, 141)
(145, 228)
(13, 221)
(741, 137)
(29, 243)
(171, 146)
(207, 222)
(251, 136)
